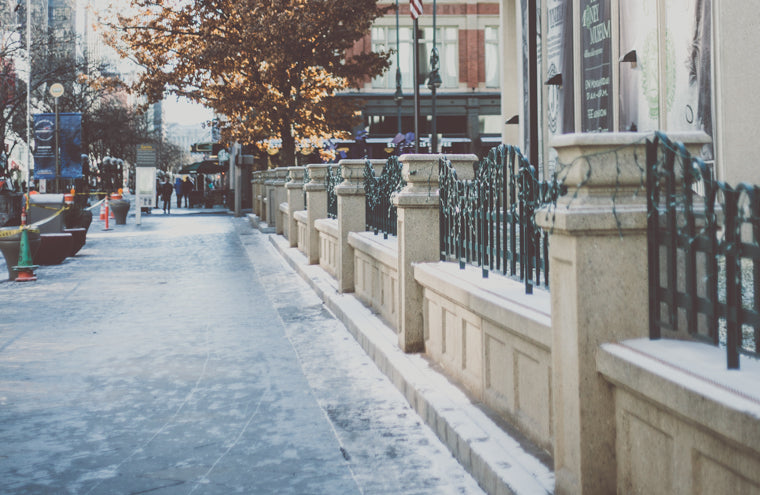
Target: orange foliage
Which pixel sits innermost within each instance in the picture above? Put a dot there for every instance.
(270, 67)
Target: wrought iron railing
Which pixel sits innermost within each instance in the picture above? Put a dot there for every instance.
(333, 178)
(381, 215)
(704, 253)
(489, 221)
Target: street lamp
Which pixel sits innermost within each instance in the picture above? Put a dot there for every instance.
(434, 82)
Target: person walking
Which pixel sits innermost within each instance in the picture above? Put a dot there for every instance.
(187, 188)
(166, 195)
(178, 189)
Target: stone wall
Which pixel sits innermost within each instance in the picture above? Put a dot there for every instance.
(494, 339)
(328, 244)
(376, 274)
(617, 415)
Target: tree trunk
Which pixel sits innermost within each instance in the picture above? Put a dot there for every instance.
(288, 150)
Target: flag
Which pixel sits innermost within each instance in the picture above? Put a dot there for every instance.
(415, 8)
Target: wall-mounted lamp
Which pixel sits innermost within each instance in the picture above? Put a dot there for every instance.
(555, 80)
(630, 57)
(515, 119)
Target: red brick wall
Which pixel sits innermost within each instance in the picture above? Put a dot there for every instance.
(483, 8)
(472, 57)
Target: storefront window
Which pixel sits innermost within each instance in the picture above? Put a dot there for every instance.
(667, 84)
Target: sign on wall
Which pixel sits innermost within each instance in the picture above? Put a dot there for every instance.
(596, 66)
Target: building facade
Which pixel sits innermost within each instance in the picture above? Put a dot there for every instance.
(624, 66)
(468, 108)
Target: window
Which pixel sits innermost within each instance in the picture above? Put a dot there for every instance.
(384, 38)
(669, 85)
(493, 79)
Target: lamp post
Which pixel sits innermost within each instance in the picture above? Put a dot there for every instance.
(28, 100)
(56, 91)
(434, 82)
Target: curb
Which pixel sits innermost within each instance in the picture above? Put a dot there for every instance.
(493, 458)
(259, 224)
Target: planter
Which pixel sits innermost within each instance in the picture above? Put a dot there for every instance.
(54, 248)
(78, 239)
(9, 246)
(120, 207)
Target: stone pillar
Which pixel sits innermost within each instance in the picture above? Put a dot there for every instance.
(418, 214)
(598, 280)
(351, 218)
(280, 177)
(316, 208)
(266, 191)
(294, 190)
(255, 192)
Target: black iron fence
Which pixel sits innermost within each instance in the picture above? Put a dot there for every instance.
(704, 253)
(381, 215)
(333, 178)
(489, 221)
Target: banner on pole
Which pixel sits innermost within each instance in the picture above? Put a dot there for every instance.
(69, 145)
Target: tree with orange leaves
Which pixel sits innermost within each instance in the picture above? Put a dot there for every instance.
(270, 67)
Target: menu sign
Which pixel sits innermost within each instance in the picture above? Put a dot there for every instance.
(596, 63)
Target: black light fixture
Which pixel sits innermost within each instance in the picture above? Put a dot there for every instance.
(630, 57)
(555, 80)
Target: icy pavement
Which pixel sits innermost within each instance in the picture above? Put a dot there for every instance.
(183, 356)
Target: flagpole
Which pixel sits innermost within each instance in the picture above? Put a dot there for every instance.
(416, 86)
(399, 96)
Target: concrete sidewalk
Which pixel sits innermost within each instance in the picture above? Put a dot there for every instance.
(185, 356)
(494, 454)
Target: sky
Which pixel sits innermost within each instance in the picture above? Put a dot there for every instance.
(175, 110)
(182, 111)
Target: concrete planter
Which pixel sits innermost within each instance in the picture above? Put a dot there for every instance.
(9, 246)
(78, 238)
(120, 207)
(54, 248)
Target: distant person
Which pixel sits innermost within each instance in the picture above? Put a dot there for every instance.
(187, 188)
(179, 190)
(158, 190)
(166, 195)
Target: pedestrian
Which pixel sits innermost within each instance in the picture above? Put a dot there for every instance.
(166, 195)
(187, 188)
(179, 190)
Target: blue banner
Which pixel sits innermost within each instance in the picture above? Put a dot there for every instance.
(69, 145)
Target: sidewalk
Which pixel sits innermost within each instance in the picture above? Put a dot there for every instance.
(184, 356)
(484, 446)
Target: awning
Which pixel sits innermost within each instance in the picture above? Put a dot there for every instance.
(203, 167)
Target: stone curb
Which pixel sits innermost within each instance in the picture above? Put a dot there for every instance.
(259, 224)
(497, 461)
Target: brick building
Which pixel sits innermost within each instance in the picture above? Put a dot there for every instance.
(468, 102)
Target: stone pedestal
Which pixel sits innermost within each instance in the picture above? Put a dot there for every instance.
(418, 233)
(279, 195)
(255, 193)
(598, 280)
(316, 208)
(351, 218)
(294, 191)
